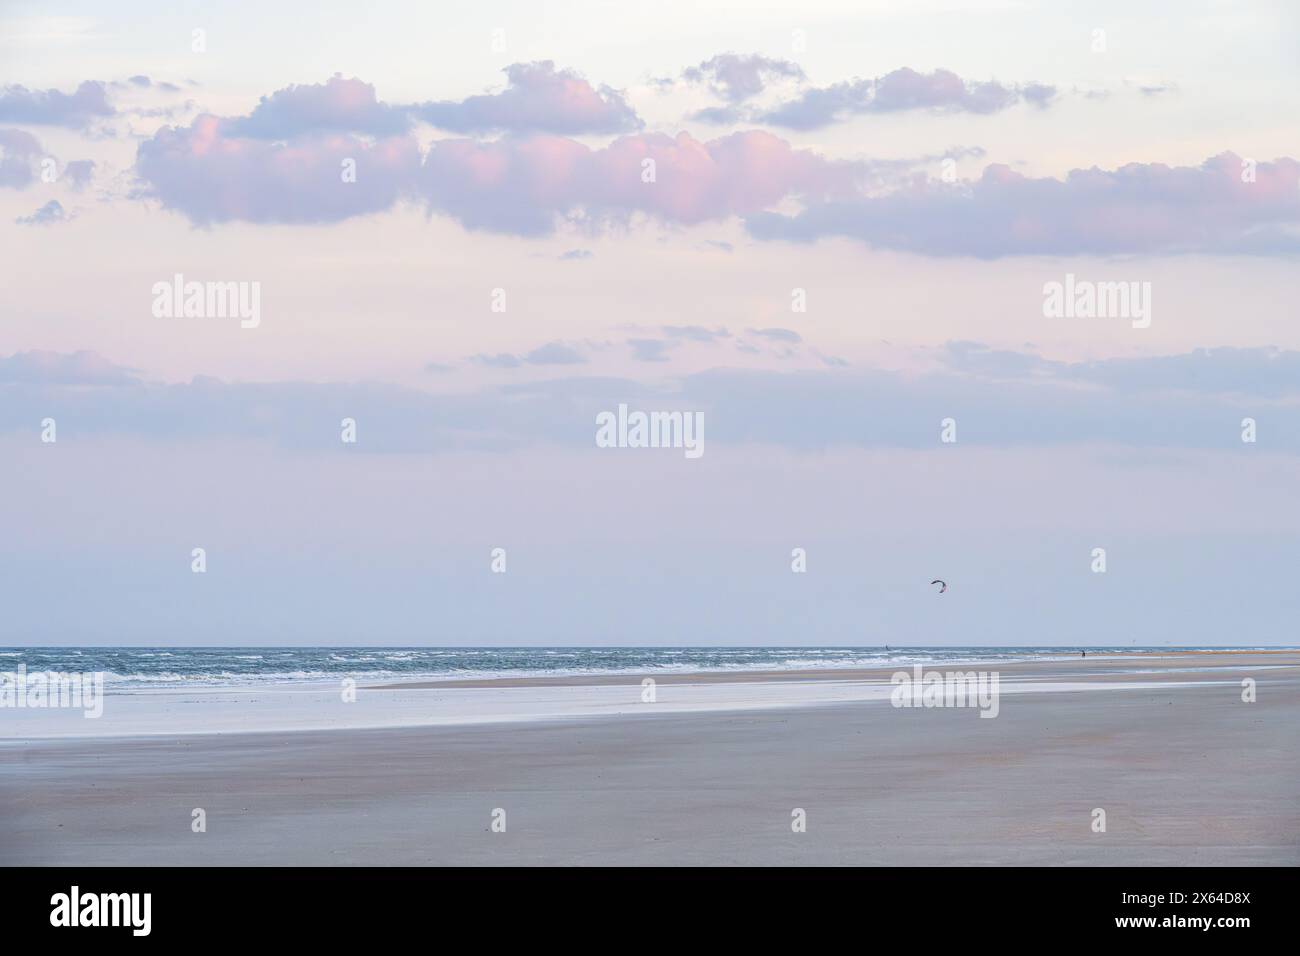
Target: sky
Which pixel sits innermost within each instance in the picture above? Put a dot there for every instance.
(829, 231)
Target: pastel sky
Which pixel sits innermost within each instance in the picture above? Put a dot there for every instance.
(916, 173)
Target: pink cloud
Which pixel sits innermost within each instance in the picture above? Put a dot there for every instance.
(524, 185)
(219, 170)
(213, 177)
(516, 185)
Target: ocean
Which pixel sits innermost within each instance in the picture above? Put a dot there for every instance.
(218, 666)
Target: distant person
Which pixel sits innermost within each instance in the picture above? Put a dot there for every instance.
(1084, 653)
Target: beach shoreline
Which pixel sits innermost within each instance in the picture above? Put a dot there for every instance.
(346, 704)
(1115, 662)
(1186, 771)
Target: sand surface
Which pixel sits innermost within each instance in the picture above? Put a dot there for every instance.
(1186, 772)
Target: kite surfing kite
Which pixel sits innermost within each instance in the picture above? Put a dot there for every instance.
(943, 586)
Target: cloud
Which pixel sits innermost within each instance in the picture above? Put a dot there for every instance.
(696, 333)
(1038, 94)
(75, 110)
(19, 153)
(552, 353)
(538, 99)
(555, 353)
(1190, 401)
(1148, 86)
(738, 77)
(212, 176)
(221, 170)
(40, 367)
(788, 336)
(903, 89)
(500, 360)
(339, 105)
(1145, 208)
(525, 186)
(649, 350)
(78, 173)
(815, 410)
(979, 359)
(720, 115)
(1264, 372)
(212, 171)
(47, 215)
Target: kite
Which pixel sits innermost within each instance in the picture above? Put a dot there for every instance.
(943, 586)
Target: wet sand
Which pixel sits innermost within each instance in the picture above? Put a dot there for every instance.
(1186, 774)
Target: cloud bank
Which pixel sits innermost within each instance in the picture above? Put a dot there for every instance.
(523, 186)
(1145, 208)
(329, 152)
(1000, 399)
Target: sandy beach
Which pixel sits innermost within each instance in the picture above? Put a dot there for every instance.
(1186, 772)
